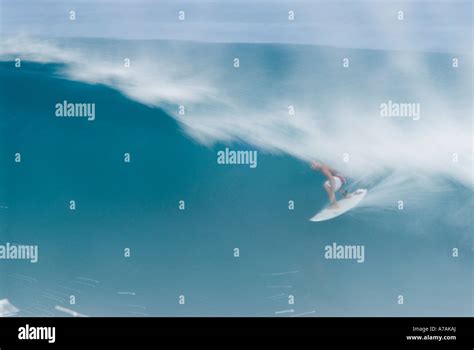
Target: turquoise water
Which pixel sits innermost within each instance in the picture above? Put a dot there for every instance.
(191, 252)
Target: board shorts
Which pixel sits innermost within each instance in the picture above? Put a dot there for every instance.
(339, 181)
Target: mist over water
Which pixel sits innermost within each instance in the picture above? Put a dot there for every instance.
(337, 111)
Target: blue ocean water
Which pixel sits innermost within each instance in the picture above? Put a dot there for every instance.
(191, 252)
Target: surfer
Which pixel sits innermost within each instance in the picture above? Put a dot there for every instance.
(335, 182)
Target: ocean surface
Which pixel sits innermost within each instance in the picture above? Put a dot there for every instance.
(190, 252)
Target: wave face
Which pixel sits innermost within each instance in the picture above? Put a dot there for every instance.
(337, 111)
(337, 117)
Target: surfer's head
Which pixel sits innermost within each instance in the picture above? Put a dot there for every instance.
(315, 165)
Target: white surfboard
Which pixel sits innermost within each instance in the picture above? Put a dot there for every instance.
(345, 204)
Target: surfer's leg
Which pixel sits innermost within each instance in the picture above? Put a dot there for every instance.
(331, 195)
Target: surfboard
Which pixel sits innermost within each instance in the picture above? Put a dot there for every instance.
(345, 205)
